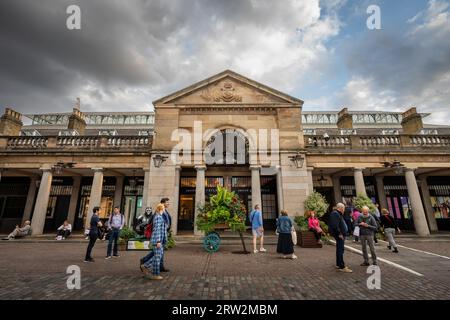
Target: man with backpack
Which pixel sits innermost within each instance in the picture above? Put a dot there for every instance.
(115, 224)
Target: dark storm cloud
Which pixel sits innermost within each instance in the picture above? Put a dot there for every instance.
(401, 63)
(131, 52)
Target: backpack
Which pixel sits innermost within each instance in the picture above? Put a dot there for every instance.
(148, 231)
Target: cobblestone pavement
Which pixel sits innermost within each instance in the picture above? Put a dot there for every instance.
(38, 271)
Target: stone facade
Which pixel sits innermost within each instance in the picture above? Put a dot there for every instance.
(143, 170)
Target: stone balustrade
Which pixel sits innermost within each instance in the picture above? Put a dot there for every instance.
(332, 142)
(68, 143)
(130, 142)
(26, 142)
(78, 142)
(429, 141)
(377, 141)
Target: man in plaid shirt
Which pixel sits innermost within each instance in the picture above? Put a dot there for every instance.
(159, 237)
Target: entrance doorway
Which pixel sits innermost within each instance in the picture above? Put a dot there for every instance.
(186, 214)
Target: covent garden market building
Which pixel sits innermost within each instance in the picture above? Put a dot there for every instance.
(60, 165)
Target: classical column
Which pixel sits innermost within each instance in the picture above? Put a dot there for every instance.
(30, 200)
(359, 181)
(118, 191)
(74, 199)
(256, 186)
(337, 190)
(310, 179)
(176, 200)
(280, 190)
(420, 221)
(40, 209)
(96, 194)
(381, 193)
(199, 193)
(427, 204)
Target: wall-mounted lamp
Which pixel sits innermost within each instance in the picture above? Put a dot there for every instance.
(297, 160)
(396, 165)
(158, 160)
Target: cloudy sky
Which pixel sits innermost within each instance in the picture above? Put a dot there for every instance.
(129, 53)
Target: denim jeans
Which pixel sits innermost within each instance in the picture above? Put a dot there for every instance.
(113, 237)
(340, 252)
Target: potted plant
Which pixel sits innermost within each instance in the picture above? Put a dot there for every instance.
(362, 200)
(316, 203)
(125, 235)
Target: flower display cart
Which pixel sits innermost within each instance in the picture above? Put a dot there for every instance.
(224, 211)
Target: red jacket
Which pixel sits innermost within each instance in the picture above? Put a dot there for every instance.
(313, 223)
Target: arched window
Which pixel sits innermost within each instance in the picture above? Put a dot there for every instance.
(227, 147)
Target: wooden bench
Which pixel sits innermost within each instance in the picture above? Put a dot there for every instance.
(306, 239)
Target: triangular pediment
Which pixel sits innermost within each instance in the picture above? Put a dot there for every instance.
(227, 87)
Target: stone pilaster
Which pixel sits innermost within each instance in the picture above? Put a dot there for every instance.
(381, 193)
(118, 191)
(427, 204)
(359, 181)
(420, 221)
(199, 193)
(96, 193)
(40, 209)
(74, 199)
(30, 199)
(336, 190)
(280, 189)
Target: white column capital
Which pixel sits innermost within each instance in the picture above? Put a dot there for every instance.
(310, 168)
(358, 169)
(46, 168)
(200, 167)
(97, 170)
(255, 167)
(410, 169)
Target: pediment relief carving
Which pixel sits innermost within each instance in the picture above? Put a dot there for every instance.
(227, 91)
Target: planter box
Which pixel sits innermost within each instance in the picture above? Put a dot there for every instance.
(306, 239)
(141, 244)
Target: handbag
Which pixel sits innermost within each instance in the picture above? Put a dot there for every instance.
(356, 231)
(294, 236)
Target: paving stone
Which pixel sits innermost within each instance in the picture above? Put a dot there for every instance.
(38, 271)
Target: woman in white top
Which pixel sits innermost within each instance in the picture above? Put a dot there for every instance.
(64, 230)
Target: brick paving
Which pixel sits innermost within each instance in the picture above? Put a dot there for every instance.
(38, 271)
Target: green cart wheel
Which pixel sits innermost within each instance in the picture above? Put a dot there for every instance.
(211, 242)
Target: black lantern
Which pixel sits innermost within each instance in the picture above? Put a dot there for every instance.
(396, 165)
(297, 160)
(158, 160)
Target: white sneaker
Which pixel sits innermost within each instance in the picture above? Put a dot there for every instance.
(262, 250)
(294, 256)
(255, 251)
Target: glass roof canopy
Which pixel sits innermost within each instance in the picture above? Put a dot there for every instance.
(148, 118)
(358, 117)
(95, 118)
